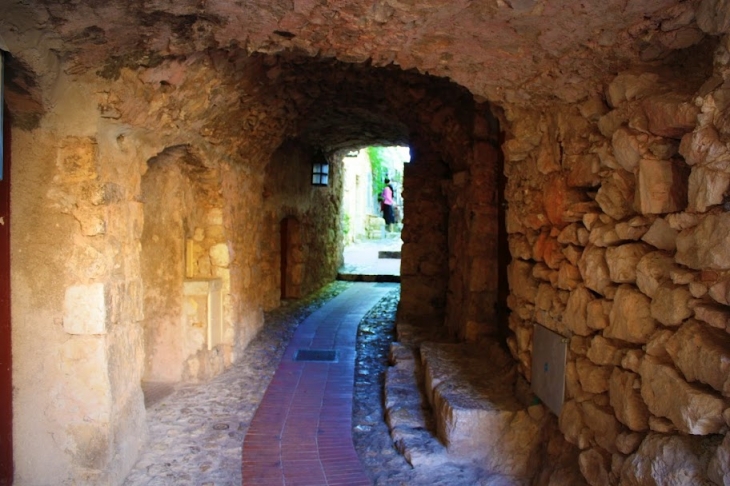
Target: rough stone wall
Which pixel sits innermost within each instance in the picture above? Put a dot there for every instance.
(184, 238)
(78, 349)
(288, 192)
(77, 276)
(473, 232)
(618, 234)
(424, 254)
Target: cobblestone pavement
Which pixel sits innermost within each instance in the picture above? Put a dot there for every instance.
(371, 436)
(196, 433)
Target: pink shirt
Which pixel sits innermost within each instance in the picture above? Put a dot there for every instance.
(388, 196)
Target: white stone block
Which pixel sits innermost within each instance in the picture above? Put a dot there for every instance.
(219, 255)
(84, 309)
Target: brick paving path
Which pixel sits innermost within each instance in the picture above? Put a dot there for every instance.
(301, 433)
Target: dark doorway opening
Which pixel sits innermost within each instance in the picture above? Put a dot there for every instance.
(292, 265)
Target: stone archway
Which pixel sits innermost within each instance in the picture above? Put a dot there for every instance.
(184, 258)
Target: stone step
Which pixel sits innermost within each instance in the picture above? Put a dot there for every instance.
(480, 411)
(483, 414)
(407, 412)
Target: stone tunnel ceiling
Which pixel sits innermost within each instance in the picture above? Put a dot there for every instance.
(511, 51)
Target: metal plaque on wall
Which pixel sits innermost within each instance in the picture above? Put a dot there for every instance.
(549, 351)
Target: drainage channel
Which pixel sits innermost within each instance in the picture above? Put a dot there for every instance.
(321, 355)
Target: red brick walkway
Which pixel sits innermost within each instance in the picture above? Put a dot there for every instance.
(301, 432)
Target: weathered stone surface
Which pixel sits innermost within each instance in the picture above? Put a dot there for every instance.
(568, 276)
(623, 260)
(702, 354)
(662, 425)
(703, 147)
(569, 234)
(572, 424)
(717, 316)
(668, 460)
(594, 270)
(683, 220)
(219, 255)
(629, 231)
(670, 115)
(575, 317)
(558, 198)
(583, 170)
(594, 466)
(604, 235)
(671, 304)
(718, 470)
(601, 420)
(661, 235)
(628, 442)
(547, 249)
(706, 188)
(597, 313)
(627, 148)
(593, 379)
(616, 195)
(705, 245)
(629, 86)
(653, 270)
(632, 360)
(691, 409)
(520, 280)
(661, 186)
(233, 83)
(477, 414)
(682, 276)
(573, 254)
(519, 247)
(713, 16)
(625, 395)
(657, 344)
(719, 290)
(85, 309)
(603, 352)
(630, 318)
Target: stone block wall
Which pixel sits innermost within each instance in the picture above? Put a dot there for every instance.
(618, 231)
(288, 192)
(424, 260)
(474, 210)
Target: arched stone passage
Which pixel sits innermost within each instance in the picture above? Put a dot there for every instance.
(598, 101)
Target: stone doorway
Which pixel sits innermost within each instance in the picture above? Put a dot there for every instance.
(292, 267)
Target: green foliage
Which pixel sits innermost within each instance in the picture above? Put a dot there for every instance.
(346, 225)
(379, 167)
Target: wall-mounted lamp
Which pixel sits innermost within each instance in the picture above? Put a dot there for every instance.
(320, 169)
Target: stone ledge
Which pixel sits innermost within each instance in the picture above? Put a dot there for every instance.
(523, 445)
(480, 412)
